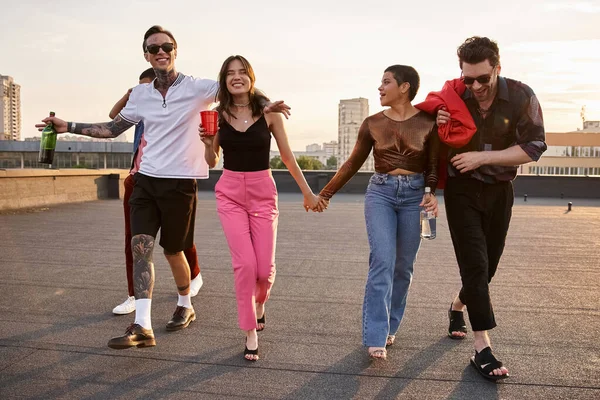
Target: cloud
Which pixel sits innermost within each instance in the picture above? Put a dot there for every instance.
(579, 49)
(580, 6)
(47, 42)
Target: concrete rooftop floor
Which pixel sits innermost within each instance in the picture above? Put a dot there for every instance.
(62, 271)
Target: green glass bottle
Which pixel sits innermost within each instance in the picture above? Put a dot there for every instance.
(47, 143)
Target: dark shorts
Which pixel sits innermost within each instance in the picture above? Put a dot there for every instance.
(167, 204)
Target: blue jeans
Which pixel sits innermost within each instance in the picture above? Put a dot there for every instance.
(393, 226)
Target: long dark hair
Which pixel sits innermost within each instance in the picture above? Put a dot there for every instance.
(225, 98)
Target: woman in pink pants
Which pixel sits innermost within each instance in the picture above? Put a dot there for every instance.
(246, 192)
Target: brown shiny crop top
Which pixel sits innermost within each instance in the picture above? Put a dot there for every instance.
(412, 144)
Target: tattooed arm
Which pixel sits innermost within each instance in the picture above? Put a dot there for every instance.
(104, 130)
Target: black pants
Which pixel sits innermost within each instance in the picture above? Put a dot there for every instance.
(478, 217)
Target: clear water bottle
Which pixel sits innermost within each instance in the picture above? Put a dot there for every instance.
(427, 222)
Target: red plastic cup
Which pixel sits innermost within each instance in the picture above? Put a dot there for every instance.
(209, 121)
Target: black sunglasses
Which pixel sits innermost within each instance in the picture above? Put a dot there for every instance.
(154, 48)
(483, 79)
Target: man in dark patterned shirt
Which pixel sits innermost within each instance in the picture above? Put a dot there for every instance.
(479, 192)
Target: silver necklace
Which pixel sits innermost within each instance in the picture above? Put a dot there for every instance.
(242, 105)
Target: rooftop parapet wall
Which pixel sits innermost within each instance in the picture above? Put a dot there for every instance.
(30, 188)
(23, 189)
(532, 185)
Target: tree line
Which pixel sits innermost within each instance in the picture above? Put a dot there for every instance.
(306, 163)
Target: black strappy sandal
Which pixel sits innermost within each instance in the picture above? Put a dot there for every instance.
(485, 362)
(261, 320)
(250, 352)
(457, 324)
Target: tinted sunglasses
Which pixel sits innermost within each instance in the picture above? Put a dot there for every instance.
(483, 79)
(155, 48)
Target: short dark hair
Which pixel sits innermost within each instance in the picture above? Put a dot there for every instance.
(405, 73)
(477, 49)
(149, 73)
(154, 30)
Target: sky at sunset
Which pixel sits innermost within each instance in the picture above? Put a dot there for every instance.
(78, 58)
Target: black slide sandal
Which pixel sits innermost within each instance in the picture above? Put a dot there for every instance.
(485, 362)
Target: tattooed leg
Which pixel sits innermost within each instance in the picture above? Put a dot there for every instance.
(142, 247)
(180, 270)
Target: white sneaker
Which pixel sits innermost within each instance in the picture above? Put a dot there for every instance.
(195, 285)
(126, 307)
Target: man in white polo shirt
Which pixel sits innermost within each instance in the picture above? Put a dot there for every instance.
(164, 195)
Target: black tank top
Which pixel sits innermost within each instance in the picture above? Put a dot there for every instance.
(245, 151)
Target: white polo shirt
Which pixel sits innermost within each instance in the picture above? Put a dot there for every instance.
(173, 147)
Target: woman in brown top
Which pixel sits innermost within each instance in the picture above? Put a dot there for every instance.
(405, 147)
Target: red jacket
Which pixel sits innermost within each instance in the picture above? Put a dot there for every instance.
(461, 128)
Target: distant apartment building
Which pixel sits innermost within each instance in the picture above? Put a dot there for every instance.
(321, 153)
(570, 153)
(313, 147)
(313, 150)
(351, 114)
(10, 109)
(331, 149)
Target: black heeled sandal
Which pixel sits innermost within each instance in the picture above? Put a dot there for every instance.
(250, 352)
(261, 320)
(485, 362)
(457, 324)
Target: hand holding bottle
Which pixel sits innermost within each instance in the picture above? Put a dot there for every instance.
(428, 215)
(60, 126)
(47, 142)
(430, 203)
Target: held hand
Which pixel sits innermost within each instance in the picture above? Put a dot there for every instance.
(430, 203)
(443, 117)
(206, 139)
(59, 125)
(469, 161)
(278, 107)
(310, 202)
(323, 204)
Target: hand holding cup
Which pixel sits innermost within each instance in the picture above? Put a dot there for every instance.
(210, 122)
